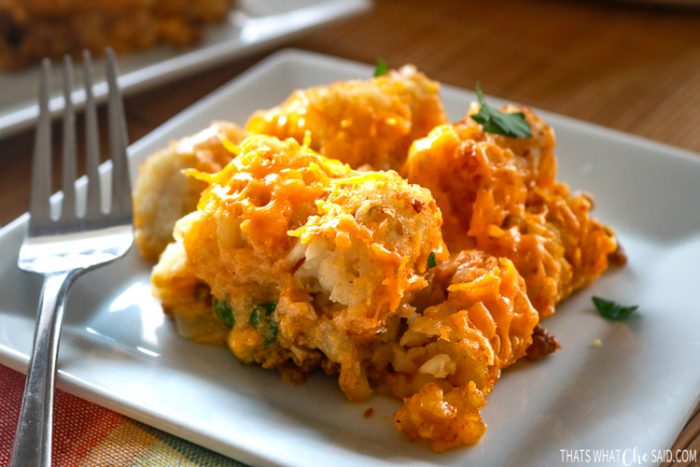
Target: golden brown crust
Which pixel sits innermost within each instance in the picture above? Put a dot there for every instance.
(452, 352)
(338, 252)
(163, 194)
(500, 195)
(446, 419)
(323, 266)
(371, 122)
(320, 265)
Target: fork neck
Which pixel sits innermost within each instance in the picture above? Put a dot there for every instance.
(32, 445)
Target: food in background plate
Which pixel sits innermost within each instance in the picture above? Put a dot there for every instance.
(33, 29)
(305, 253)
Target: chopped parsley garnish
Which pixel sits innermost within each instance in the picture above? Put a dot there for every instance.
(223, 311)
(254, 318)
(381, 68)
(261, 317)
(494, 121)
(271, 332)
(608, 309)
(432, 262)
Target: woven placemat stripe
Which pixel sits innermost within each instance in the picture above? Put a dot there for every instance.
(197, 454)
(86, 434)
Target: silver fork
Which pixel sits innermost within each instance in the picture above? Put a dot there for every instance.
(69, 246)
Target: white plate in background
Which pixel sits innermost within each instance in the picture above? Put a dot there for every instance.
(251, 26)
(633, 392)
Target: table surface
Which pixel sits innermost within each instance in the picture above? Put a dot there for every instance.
(635, 69)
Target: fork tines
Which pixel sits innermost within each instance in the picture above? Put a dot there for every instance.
(120, 206)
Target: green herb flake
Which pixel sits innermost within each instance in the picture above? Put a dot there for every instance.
(608, 309)
(270, 333)
(254, 317)
(381, 68)
(432, 262)
(223, 311)
(513, 125)
(269, 307)
(261, 317)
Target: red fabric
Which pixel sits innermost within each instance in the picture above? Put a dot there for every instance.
(78, 425)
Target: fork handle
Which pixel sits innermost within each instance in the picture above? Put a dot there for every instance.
(32, 445)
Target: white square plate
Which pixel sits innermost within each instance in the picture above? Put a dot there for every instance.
(251, 26)
(635, 391)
